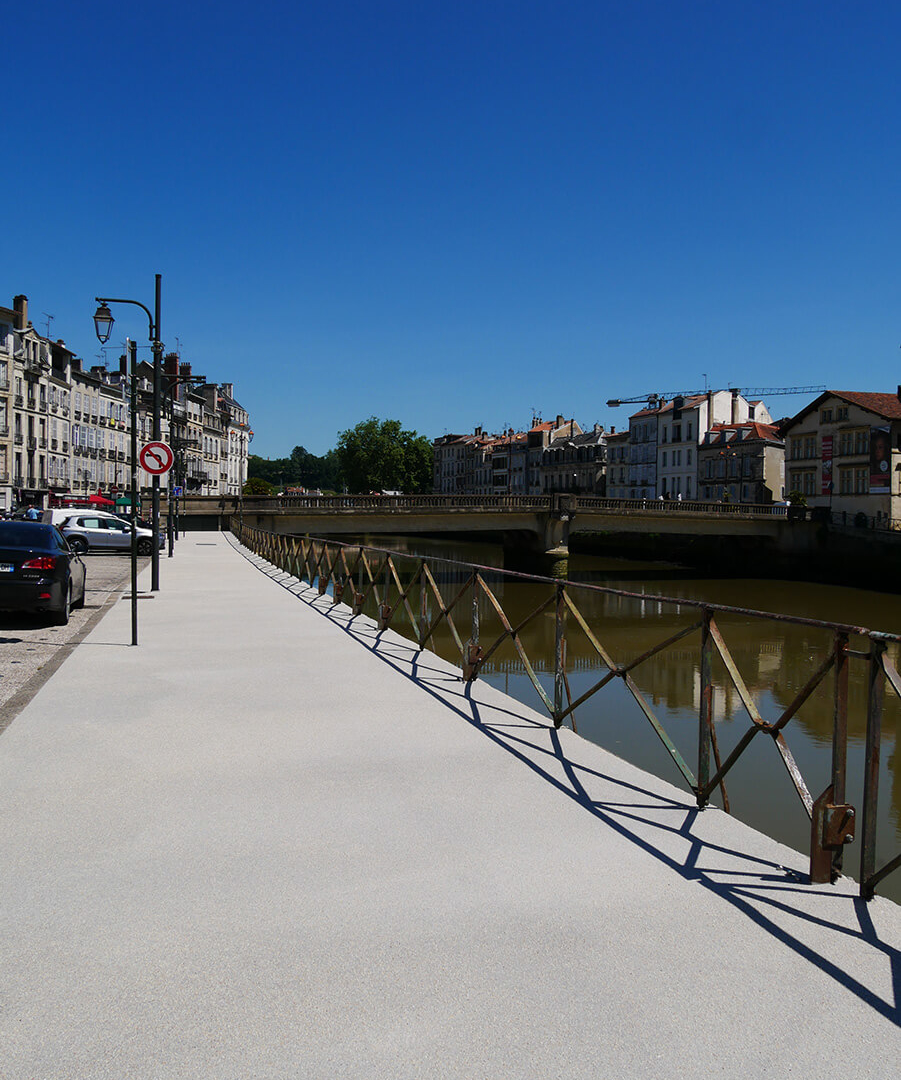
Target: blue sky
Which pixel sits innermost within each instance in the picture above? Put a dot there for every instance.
(453, 213)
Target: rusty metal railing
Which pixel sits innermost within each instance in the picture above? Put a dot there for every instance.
(409, 598)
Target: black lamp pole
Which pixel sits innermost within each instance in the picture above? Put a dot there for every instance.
(133, 372)
(103, 323)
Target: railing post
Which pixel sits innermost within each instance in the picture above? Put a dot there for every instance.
(473, 651)
(705, 715)
(423, 606)
(559, 639)
(875, 697)
(358, 594)
(840, 736)
(384, 608)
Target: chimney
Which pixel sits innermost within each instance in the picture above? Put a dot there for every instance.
(123, 365)
(184, 370)
(735, 406)
(899, 393)
(20, 307)
(613, 430)
(559, 421)
(170, 365)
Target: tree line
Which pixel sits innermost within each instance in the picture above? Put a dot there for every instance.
(376, 455)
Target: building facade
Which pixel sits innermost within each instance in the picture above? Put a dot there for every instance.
(843, 452)
(64, 429)
(742, 463)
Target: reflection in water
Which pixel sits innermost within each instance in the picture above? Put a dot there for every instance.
(775, 660)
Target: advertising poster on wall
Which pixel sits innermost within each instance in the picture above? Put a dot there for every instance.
(880, 461)
(826, 462)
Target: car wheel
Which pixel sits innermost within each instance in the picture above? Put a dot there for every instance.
(78, 544)
(145, 547)
(61, 617)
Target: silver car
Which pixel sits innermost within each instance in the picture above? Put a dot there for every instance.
(94, 530)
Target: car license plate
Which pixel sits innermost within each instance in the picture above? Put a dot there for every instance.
(6, 568)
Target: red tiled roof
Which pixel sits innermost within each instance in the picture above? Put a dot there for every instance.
(887, 405)
(755, 428)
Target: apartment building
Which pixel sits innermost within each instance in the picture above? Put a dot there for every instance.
(643, 429)
(619, 460)
(843, 451)
(575, 462)
(742, 463)
(64, 429)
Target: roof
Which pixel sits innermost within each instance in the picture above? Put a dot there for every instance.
(744, 432)
(888, 406)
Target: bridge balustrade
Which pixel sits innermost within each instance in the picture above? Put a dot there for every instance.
(573, 503)
(404, 592)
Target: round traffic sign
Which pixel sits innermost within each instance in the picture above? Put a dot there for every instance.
(156, 458)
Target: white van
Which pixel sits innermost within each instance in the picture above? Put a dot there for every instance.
(58, 517)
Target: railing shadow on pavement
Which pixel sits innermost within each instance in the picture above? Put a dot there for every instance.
(762, 892)
(394, 583)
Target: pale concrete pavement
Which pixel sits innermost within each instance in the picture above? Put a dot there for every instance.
(267, 843)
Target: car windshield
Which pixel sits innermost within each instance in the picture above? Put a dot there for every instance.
(21, 534)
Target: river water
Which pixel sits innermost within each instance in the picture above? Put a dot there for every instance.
(775, 659)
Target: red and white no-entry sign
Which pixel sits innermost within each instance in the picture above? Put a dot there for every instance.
(156, 458)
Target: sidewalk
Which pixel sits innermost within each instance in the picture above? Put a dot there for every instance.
(257, 847)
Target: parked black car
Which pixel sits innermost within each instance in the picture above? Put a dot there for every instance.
(39, 571)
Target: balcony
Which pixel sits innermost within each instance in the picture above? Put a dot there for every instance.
(4, 477)
(19, 438)
(32, 443)
(54, 444)
(20, 400)
(42, 443)
(19, 481)
(65, 447)
(4, 430)
(54, 407)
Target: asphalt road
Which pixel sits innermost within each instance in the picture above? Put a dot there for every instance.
(31, 649)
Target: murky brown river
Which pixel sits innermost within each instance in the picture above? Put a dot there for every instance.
(775, 660)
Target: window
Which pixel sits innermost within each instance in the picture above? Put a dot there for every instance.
(826, 416)
(677, 433)
(862, 442)
(861, 481)
(688, 455)
(841, 413)
(663, 464)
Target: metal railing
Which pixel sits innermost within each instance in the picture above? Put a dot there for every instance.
(406, 595)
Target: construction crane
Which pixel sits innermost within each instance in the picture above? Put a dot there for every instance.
(747, 392)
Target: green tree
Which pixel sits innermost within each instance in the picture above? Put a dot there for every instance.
(257, 486)
(379, 455)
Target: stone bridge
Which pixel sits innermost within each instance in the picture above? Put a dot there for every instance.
(543, 521)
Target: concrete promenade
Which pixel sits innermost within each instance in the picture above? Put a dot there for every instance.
(268, 843)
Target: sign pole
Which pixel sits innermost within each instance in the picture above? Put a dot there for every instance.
(133, 364)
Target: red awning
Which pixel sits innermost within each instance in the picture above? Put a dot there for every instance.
(98, 500)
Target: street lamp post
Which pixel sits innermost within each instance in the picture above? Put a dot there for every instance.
(103, 324)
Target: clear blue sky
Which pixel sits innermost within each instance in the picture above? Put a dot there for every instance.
(451, 213)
